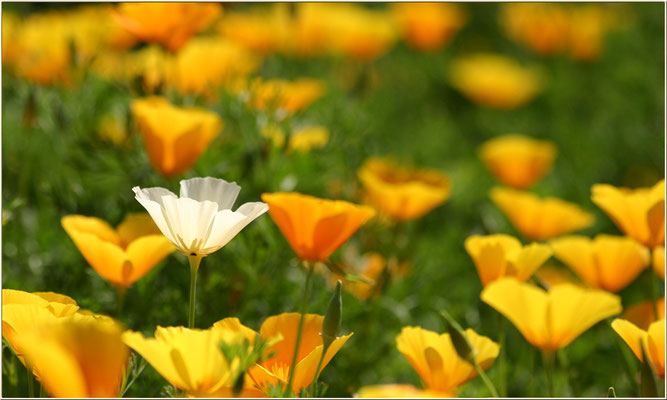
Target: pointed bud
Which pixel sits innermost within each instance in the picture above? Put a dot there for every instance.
(238, 384)
(333, 317)
(462, 345)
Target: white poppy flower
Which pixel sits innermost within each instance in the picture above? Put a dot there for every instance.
(200, 221)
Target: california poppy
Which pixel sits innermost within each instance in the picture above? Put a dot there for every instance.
(652, 339)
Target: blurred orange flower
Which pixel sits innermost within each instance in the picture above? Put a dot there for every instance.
(80, 355)
(639, 213)
(540, 219)
(436, 361)
(315, 227)
(495, 81)
(606, 262)
(174, 137)
(397, 391)
(550, 320)
(643, 314)
(169, 24)
(148, 70)
(497, 256)
(543, 27)
(659, 261)
(429, 26)
(653, 341)
(120, 256)
(260, 29)
(288, 96)
(368, 266)
(516, 160)
(403, 193)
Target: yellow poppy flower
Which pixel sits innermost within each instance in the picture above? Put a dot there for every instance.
(150, 67)
(639, 213)
(606, 262)
(277, 369)
(517, 160)
(550, 320)
(403, 193)
(497, 256)
(11, 26)
(540, 218)
(174, 137)
(588, 26)
(659, 261)
(643, 315)
(77, 356)
(308, 138)
(434, 358)
(189, 358)
(315, 227)
(495, 81)
(261, 29)
(550, 275)
(429, 26)
(652, 339)
(397, 391)
(58, 304)
(121, 256)
(289, 96)
(543, 27)
(169, 24)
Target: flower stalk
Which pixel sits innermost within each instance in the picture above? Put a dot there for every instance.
(548, 360)
(194, 260)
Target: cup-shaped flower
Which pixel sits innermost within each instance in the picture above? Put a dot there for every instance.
(540, 218)
(643, 314)
(659, 261)
(200, 221)
(81, 355)
(550, 320)
(169, 24)
(58, 304)
(429, 26)
(174, 137)
(497, 256)
(516, 160)
(494, 81)
(123, 255)
(315, 227)
(190, 358)
(606, 262)
(403, 193)
(276, 370)
(652, 339)
(397, 391)
(436, 361)
(639, 213)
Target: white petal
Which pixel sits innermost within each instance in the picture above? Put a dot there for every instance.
(190, 221)
(228, 224)
(151, 199)
(219, 191)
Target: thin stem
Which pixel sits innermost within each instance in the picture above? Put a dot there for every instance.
(319, 365)
(502, 383)
(120, 300)
(31, 382)
(304, 306)
(547, 358)
(654, 295)
(42, 393)
(194, 267)
(487, 381)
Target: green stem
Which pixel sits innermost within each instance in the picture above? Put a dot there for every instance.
(120, 300)
(194, 267)
(42, 393)
(502, 383)
(487, 381)
(654, 296)
(31, 383)
(304, 306)
(319, 365)
(547, 358)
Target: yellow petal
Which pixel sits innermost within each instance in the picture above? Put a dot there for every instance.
(305, 370)
(135, 226)
(398, 391)
(659, 261)
(90, 225)
(550, 276)
(145, 253)
(11, 296)
(59, 304)
(577, 253)
(619, 260)
(20, 319)
(656, 346)
(524, 262)
(631, 334)
(233, 324)
(489, 254)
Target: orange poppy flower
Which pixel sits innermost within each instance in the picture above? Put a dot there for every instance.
(261, 29)
(652, 339)
(540, 219)
(285, 95)
(517, 160)
(429, 26)
(403, 193)
(659, 261)
(120, 256)
(606, 262)
(315, 227)
(639, 213)
(174, 137)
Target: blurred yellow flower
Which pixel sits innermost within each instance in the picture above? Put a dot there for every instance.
(550, 320)
(497, 256)
(80, 355)
(263, 30)
(639, 213)
(643, 315)
(368, 266)
(174, 137)
(516, 160)
(315, 227)
(169, 24)
(653, 341)
(308, 138)
(285, 95)
(276, 369)
(434, 358)
(606, 262)
(397, 391)
(403, 193)
(112, 129)
(11, 25)
(190, 359)
(588, 25)
(429, 26)
(540, 218)
(659, 261)
(550, 275)
(543, 27)
(120, 256)
(147, 70)
(495, 81)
